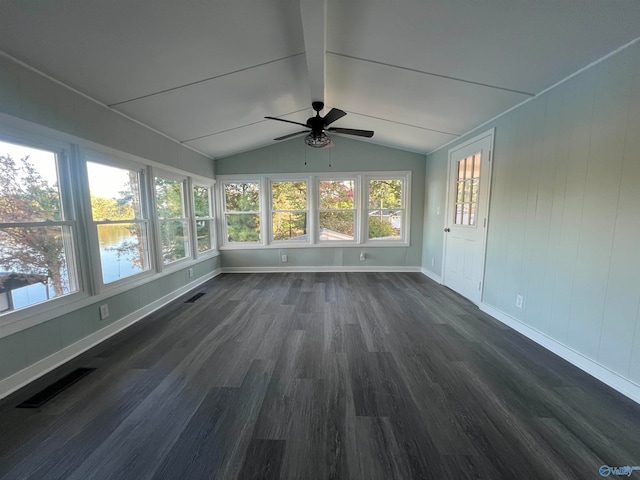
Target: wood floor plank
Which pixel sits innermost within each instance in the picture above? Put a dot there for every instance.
(320, 375)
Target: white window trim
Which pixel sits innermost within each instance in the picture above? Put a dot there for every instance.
(94, 156)
(222, 210)
(210, 186)
(187, 207)
(270, 182)
(312, 179)
(357, 208)
(405, 177)
(68, 197)
(76, 200)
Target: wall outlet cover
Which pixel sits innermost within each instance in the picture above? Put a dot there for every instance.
(104, 311)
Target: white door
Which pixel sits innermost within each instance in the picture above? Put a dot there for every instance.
(466, 219)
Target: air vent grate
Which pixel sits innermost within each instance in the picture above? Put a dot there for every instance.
(195, 298)
(46, 394)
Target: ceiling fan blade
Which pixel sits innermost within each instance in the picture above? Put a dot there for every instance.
(333, 115)
(352, 131)
(291, 135)
(288, 121)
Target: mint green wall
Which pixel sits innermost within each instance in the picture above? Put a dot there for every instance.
(564, 222)
(345, 156)
(29, 96)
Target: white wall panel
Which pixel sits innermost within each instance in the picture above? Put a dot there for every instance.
(564, 224)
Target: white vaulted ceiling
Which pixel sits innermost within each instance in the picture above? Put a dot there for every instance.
(419, 73)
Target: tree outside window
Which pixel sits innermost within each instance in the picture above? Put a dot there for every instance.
(289, 210)
(336, 210)
(385, 209)
(118, 217)
(242, 211)
(203, 218)
(36, 239)
(173, 224)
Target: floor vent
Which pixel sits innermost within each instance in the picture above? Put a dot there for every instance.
(46, 394)
(195, 298)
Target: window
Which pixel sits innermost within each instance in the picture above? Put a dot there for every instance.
(336, 212)
(289, 211)
(467, 190)
(121, 226)
(203, 213)
(37, 233)
(242, 211)
(385, 209)
(172, 220)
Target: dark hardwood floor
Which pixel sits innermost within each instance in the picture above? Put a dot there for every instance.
(326, 375)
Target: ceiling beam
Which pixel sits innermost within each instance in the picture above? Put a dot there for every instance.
(314, 28)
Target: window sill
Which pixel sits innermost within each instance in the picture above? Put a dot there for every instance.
(283, 245)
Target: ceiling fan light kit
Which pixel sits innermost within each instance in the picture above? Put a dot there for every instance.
(318, 125)
(317, 141)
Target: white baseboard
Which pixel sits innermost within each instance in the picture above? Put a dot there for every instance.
(433, 276)
(602, 373)
(36, 370)
(309, 269)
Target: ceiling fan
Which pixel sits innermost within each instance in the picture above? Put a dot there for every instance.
(319, 125)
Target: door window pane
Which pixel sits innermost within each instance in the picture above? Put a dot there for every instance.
(467, 186)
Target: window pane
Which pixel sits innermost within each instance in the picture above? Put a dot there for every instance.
(385, 194)
(29, 189)
(174, 241)
(169, 199)
(289, 195)
(34, 265)
(468, 171)
(336, 225)
(467, 191)
(201, 202)
(122, 250)
(203, 232)
(243, 227)
(386, 227)
(290, 226)
(476, 165)
(242, 197)
(336, 194)
(115, 192)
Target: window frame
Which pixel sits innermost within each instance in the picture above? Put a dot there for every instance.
(66, 163)
(360, 206)
(187, 217)
(262, 215)
(357, 208)
(405, 224)
(209, 185)
(94, 156)
(278, 179)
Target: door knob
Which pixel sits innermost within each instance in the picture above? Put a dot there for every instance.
(447, 229)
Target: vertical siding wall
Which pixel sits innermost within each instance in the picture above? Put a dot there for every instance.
(28, 96)
(564, 227)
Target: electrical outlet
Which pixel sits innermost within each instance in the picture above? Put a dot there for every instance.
(433, 261)
(104, 311)
(190, 272)
(363, 256)
(284, 258)
(519, 301)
